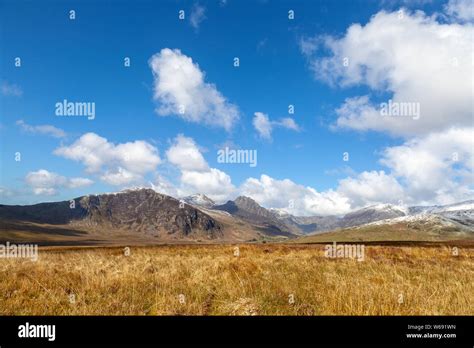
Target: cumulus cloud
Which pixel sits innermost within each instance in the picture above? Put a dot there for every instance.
(120, 176)
(198, 14)
(352, 193)
(264, 126)
(293, 198)
(379, 55)
(370, 188)
(436, 168)
(45, 129)
(196, 175)
(460, 9)
(163, 185)
(185, 154)
(433, 169)
(119, 164)
(43, 182)
(214, 182)
(79, 182)
(181, 90)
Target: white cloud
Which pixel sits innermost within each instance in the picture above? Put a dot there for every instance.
(370, 188)
(434, 169)
(79, 182)
(163, 185)
(198, 14)
(264, 126)
(41, 129)
(120, 177)
(13, 90)
(214, 183)
(357, 113)
(460, 9)
(309, 45)
(196, 175)
(437, 168)
(180, 88)
(116, 164)
(185, 154)
(380, 56)
(48, 183)
(293, 198)
(288, 123)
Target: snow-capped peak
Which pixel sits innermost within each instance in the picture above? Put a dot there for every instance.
(386, 207)
(280, 212)
(200, 200)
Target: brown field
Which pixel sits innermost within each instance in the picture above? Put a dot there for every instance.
(211, 280)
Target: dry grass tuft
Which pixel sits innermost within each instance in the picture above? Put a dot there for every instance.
(263, 280)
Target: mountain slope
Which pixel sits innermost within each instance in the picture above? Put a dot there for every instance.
(415, 227)
(462, 213)
(143, 211)
(372, 213)
(251, 212)
(319, 224)
(144, 215)
(306, 224)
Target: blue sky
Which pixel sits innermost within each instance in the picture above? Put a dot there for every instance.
(82, 60)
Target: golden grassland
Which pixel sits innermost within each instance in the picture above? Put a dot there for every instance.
(265, 279)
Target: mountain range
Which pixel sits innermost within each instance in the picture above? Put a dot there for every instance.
(144, 216)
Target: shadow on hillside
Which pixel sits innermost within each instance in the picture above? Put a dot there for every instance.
(27, 227)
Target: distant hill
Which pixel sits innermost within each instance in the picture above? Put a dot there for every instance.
(462, 213)
(419, 227)
(250, 211)
(370, 214)
(146, 216)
